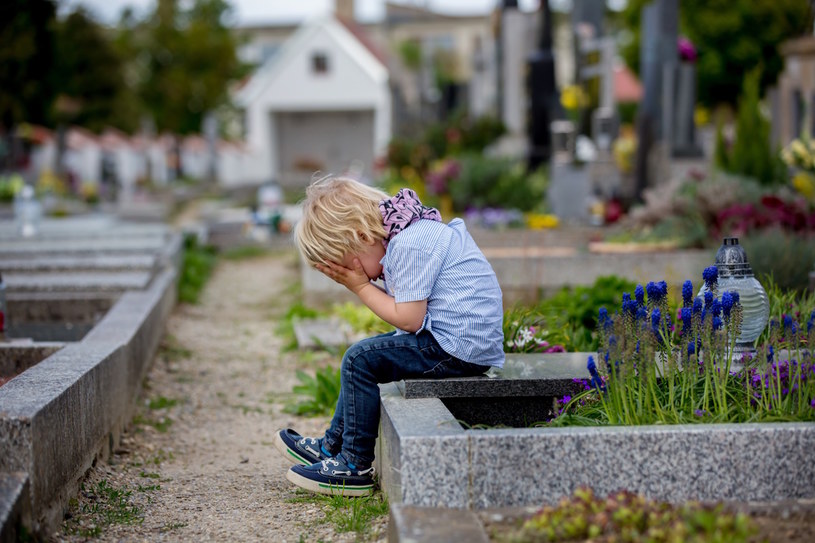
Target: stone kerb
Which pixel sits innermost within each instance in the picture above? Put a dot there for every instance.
(426, 458)
(56, 417)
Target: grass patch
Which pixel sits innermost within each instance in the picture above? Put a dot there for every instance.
(172, 351)
(247, 252)
(318, 394)
(161, 425)
(348, 514)
(106, 505)
(161, 403)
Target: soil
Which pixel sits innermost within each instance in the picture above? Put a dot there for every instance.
(198, 463)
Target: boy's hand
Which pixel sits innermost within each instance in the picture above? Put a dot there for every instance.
(353, 279)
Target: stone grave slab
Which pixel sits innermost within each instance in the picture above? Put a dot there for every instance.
(315, 333)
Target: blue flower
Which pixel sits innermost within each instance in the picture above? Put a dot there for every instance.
(770, 353)
(711, 276)
(626, 297)
(708, 299)
(716, 307)
(789, 326)
(596, 381)
(642, 314)
(603, 319)
(735, 296)
(663, 289)
(686, 319)
(691, 348)
(717, 323)
(727, 304)
(654, 292)
(697, 306)
(639, 295)
(656, 314)
(687, 293)
(630, 307)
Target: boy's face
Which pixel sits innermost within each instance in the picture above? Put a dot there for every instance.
(369, 256)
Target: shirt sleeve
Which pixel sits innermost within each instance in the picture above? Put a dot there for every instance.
(413, 272)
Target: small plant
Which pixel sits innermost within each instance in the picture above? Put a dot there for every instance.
(320, 392)
(103, 505)
(625, 516)
(197, 265)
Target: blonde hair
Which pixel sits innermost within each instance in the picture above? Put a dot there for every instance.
(339, 215)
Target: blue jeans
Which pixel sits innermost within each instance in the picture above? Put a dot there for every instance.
(383, 359)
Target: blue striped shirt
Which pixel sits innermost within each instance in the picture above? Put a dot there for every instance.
(441, 263)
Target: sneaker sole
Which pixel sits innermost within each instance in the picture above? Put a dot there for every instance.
(290, 454)
(330, 490)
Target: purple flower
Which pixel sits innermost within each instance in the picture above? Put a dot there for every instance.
(812, 403)
(686, 49)
(711, 276)
(687, 293)
(691, 348)
(699, 412)
(639, 295)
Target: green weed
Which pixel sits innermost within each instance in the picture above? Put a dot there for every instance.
(320, 393)
(196, 267)
(348, 514)
(161, 403)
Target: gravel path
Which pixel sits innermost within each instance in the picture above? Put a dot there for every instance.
(198, 463)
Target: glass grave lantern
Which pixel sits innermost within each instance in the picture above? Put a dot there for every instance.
(735, 274)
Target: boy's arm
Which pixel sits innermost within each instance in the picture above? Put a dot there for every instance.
(407, 316)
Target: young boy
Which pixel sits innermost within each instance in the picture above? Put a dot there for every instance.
(439, 292)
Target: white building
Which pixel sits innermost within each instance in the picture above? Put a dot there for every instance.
(321, 103)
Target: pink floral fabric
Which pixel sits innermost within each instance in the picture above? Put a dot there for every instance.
(403, 210)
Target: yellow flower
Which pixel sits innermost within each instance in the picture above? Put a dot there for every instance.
(799, 150)
(572, 97)
(539, 221)
(805, 184)
(701, 116)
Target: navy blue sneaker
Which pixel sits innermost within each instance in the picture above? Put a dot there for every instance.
(333, 476)
(299, 449)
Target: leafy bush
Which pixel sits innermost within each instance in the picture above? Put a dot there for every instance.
(785, 257)
(196, 267)
(751, 154)
(497, 182)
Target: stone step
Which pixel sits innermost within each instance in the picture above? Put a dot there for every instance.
(411, 524)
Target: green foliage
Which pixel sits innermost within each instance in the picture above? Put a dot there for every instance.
(786, 257)
(183, 57)
(572, 311)
(361, 318)
(751, 154)
(410, 51)
(785, 302)
(731, 37)
(89, 70)
(26, 60)
(625, 516)
(245, 252)
(197, 265)
(497, 182)
(319, 393)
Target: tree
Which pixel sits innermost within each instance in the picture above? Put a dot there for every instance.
(89, 75)
(731, 37)
(26, 56)
(190, 59)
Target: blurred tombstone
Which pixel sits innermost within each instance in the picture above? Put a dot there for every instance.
(511, 75)
(210, 130)
(542, 93)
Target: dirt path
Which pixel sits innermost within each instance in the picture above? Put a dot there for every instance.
(198, 463)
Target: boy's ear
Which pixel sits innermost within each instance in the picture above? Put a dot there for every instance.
(368, 240)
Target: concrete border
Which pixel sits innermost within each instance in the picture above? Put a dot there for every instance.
(427, 459)
(59, 415)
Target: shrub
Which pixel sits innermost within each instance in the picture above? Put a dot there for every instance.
(783, 258)
(496, 182)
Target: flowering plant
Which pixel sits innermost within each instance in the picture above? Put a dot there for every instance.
(652, 371)
(800, 155)
(525, 332)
